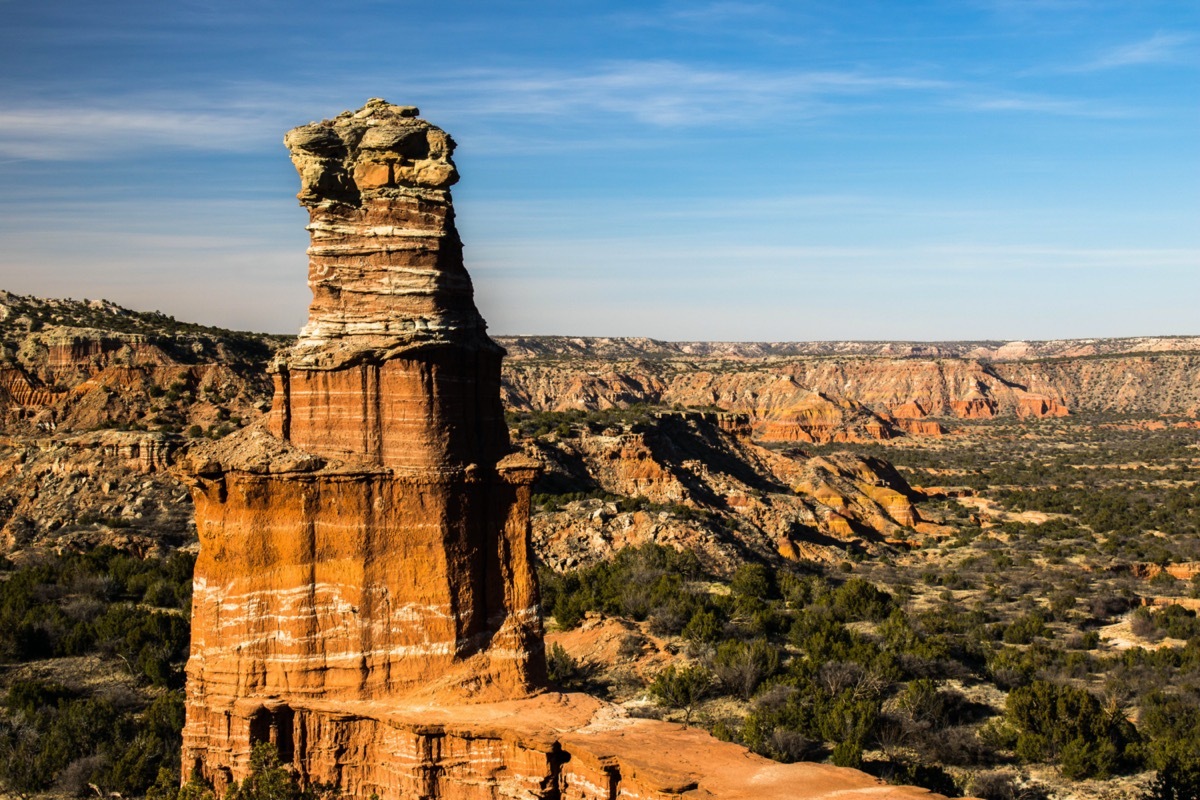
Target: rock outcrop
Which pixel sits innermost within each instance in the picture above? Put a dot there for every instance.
(79, 491)
(68, 366)
(853, 397)
(634, 347)
(364, 595)
(690, 482)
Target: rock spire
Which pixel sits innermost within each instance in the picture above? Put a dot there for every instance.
(385, 263)
(389, 289)
(371, 540)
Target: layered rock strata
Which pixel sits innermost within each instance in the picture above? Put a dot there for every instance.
(364, 596)
(805, 399)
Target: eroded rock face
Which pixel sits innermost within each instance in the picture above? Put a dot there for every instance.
(779, 505)
(387, 276)
(371, 539)
(385, 261)
(808, 399)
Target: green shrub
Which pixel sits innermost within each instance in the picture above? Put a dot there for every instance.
(704, 627)
(753, 580)
(682, 687)
(857, 599)
(741, 667)
(270, 780)
(1067, 725)
(1171, 725)
(638, 583)
(565, 670)
(1177, 622)
(1024, 629)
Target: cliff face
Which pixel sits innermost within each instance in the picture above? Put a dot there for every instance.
(96, 404)
(388, 281)
(364, 597)
(634, 347)
(1143, 384)
(68, 366)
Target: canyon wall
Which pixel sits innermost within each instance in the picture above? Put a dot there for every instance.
(697, 482)
(829, 399)
(625, 348)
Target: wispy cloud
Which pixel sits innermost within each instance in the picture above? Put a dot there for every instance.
(230, 117)
(1041, 104)
(669, 94)
(1158, 49)
(69, 133)
(711, 261)
(661, 94)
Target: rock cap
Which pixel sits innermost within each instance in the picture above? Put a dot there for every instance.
(380, 146)
(385, 261)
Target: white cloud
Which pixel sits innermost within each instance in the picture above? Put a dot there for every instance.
(1040, 104)
(229, 117)
(672, 94)
(661, 94)
(658, 94)
(1159, 48)
(73, 132)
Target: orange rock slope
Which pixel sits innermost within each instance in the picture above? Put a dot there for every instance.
(364, 595)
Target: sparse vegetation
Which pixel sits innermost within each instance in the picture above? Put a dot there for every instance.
(984, 661)
(31, 314)
(125, 618)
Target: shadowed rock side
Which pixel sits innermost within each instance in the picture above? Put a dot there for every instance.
(364, 594)
(730, 499)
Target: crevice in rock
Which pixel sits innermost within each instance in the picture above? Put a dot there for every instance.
(614, 780)
(552, 786)
(430, 768)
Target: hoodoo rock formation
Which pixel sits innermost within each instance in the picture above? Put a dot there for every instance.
(372, 539)
(364, 594)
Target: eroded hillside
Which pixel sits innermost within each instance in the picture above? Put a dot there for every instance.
(854, 397)
(696, 481)
(96, 403)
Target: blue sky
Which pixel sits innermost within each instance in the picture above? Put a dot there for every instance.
(683, 170)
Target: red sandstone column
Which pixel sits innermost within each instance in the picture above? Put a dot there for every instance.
(370, 542)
